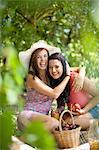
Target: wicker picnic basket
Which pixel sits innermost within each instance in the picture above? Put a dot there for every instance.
(67, 138)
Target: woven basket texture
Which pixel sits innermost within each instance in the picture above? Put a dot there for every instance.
(67, 138)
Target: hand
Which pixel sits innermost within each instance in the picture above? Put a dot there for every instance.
(75, 108)
(81, 111)
(77, 83)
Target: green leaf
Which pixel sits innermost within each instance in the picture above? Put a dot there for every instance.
(36, 135)
(6, 130)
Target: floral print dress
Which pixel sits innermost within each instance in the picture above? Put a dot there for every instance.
(37, 102)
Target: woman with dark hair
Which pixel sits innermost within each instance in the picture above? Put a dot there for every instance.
(90, 108)
(64, 96)
(39, 94)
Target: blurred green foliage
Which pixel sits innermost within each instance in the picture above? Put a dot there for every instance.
(39, 138)
(11, 83)
(6, 130)
(72, 25)
(11, 88)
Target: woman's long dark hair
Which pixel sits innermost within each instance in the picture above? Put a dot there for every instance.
(63, 98)
(33, 67)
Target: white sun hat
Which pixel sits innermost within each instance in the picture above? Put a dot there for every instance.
(24, 56)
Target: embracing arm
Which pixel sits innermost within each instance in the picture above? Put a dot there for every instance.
(79, 79)
(82, 72)
(41, 87)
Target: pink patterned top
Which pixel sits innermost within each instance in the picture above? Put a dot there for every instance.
(37, 102)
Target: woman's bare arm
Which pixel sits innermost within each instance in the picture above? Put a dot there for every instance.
(92, 103)
(79, 79)
(41, 87)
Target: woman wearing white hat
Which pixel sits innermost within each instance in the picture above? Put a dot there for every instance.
(40, 94)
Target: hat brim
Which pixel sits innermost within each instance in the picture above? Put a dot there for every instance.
(24, 56)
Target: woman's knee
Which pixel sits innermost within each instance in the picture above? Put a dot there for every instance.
(25, 117)
(22, 120)
(52, 124)
(55, 122)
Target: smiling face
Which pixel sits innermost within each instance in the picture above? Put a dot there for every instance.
(40, 59)
(55, 68)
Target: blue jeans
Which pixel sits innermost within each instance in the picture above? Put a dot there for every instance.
(95, 112)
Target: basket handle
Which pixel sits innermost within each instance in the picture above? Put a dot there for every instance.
(60, 119)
